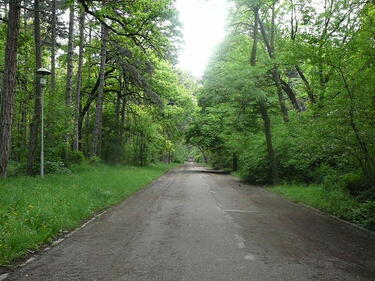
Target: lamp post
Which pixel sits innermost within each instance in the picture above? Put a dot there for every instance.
(43, 81)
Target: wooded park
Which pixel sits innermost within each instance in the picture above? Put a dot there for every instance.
(287, 100)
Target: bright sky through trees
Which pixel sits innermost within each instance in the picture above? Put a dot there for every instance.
(203, 28)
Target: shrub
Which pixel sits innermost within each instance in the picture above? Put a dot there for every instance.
(359, 186)
(94, 160)
(56, 167)
(74, 157)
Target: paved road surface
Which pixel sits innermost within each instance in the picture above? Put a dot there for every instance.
(196, 225)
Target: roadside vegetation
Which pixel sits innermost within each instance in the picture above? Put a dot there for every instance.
(33, 211)
(112, 95)
(288, 99)
(334, 201)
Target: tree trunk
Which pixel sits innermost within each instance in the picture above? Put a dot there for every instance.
(291, 95)
(97, 133)
(85, 109)
(117, 113)
(76, 144)
(234, 162)
(263, 111)
(267, 133)
(69, 74)
(122, 118)
(275, 71)
(279, 89)
(9, 85)
(309, 89)
(255, 37)
(38, 92)
(53, 47)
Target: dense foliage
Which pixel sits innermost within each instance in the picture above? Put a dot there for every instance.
(113, 93)
(288, 96)
(309, 66)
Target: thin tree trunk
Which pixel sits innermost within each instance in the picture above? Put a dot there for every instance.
(263, 111)
(255, 37)
(25, 98)
(97, 133)
(38, 92)
(69, 74)
(279, 89)
(117, 113)
(53, 47)
(123, 118)
(273, 29)
(275, 71)
(291, 94)
(234, 162)
(76, 144)
(85, 109)
(9, 85)
(267, 133)
(310, 91)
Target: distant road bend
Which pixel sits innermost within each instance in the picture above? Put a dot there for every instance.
(193, 224)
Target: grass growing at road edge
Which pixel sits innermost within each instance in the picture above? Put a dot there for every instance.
(335, 201)
(33, 210)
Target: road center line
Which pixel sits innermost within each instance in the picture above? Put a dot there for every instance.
(239, 211)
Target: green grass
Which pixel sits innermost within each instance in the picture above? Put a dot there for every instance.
(33, 210)
(336, 202)
(236, 174)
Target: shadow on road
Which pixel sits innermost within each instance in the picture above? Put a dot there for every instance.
(205, 171)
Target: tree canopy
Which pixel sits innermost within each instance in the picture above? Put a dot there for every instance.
(289, 94)
(114, 93)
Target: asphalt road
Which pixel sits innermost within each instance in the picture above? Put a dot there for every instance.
(193, 224)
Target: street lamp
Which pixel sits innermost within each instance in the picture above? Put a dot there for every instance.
(43, 82)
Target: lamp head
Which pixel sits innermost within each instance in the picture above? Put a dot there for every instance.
(43, 71)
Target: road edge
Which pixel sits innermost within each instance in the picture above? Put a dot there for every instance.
(28, 258)
(318, 211)
(306, 206)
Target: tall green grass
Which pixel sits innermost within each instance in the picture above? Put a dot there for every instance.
(33, 210)
(334, 201)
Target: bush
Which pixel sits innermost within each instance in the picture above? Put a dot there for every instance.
(74, 157)
(94, 160)
(254, 167)
(56, 167)
(14, 168)
(364, 215)
(113, 151)
(359, 186)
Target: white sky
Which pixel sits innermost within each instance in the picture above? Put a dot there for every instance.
(203, 28)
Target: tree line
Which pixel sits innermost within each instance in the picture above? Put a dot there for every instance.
(288, 96)
(113, 92)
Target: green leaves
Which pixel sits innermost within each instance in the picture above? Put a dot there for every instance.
(332, 48)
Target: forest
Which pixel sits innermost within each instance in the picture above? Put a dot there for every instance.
(91, 93)
(288, 98)
(113, 94)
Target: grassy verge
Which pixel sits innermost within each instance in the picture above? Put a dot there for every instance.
(236, 174)
(33, 210)
(335, 202)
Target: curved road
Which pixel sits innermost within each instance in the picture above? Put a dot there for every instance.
(193, 224)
